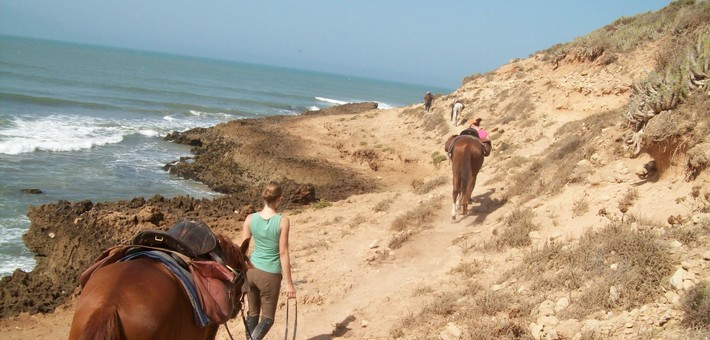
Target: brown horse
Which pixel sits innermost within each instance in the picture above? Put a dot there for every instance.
(142, 299)
(466, 160)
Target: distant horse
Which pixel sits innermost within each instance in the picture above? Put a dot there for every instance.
(142, 299)
(466, 160)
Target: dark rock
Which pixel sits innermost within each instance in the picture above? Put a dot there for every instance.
(343, 109)
(32, 191)
(304, 194)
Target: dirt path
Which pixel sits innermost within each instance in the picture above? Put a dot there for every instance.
(351, 285)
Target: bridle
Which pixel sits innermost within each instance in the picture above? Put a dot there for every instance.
(239, 279)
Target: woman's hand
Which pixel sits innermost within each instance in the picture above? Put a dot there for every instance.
(290, 291)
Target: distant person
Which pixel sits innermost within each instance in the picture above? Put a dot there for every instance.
(270, 259)
(476, 124)
(428, 99)
(456, 111)
(482, 135)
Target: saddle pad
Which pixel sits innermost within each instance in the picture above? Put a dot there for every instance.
(185, 278)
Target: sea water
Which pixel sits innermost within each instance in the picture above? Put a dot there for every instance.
(86, 122)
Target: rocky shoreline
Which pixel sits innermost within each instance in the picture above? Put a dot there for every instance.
(233, 158)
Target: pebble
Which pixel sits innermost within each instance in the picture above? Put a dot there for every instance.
(614, 266)
(561, 304)
(548, 320)
(676, 280)
(706, 255)
(664, 319)
(496, 288)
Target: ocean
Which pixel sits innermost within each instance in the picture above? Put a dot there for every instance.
(86, 122)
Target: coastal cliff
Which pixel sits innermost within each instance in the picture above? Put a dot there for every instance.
(573, 232)
(234, 158)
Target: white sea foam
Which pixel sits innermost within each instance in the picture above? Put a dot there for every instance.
(73, 132)
(57, 133)
(314, 108)
(11, 235)
(332, 101)
(383, 106)
(149, 133)
(211, 114)
(8, 263)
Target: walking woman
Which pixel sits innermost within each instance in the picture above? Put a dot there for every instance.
(271, 261)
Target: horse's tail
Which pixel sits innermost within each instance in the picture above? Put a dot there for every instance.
(465, 173)
(104, 323)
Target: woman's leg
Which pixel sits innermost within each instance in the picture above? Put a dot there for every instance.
(254, 294)
(270, 287)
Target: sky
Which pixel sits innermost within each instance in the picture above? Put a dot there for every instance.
(435, 43)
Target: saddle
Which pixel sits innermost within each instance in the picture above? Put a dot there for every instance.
(468, 133)
(194, 247)
(191, 238)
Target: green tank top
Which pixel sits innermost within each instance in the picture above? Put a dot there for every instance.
(266, 233)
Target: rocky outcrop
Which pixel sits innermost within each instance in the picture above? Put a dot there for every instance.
(232, 157)
(67, 236)
(343, 109)
(235, 158)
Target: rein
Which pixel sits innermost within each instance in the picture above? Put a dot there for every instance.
(295, 319)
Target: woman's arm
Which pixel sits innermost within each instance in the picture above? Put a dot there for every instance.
(246, 230)
(285, 258)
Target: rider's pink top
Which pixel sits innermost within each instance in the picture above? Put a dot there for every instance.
(482, 134)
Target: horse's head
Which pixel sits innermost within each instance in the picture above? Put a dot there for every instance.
(235, 258)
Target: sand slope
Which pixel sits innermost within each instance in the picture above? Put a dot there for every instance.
(351, 284)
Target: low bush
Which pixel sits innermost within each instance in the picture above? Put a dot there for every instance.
(518, 225)
(643, 262)
(696, 306)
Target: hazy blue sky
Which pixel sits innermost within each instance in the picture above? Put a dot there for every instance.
(433, 42)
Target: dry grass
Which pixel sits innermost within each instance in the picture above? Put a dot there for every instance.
(696, 306)
(580, 207)
(431, 121)
(490, 302)
(550, 174)
(443, 305)
(357, 221)
(314, 247)
(425, 187)
(519, 108)
(518, 225)
(417, 218)
(628, 199)
(644, 265)
(487, 329)
(398, 239)
(678, 19)
(467, 269)
(437, 158)
(322, 203)
(422, 291)
(383, 205)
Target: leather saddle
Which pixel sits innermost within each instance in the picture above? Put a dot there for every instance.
(192, 238)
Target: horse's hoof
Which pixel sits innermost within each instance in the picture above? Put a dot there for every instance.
(453, 219)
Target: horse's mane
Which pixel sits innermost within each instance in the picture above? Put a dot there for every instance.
(231, 254)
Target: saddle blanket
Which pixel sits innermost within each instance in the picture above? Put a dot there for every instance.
(183, 276)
